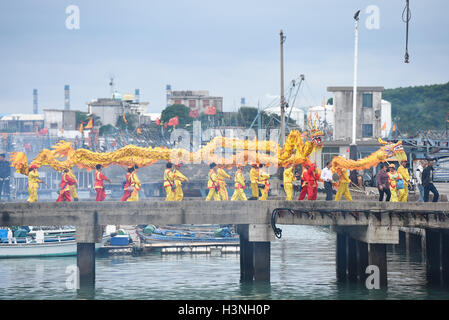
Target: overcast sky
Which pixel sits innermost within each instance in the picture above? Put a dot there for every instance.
(230, 48)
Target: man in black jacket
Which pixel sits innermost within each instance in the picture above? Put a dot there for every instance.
(427, 182)
(5, 173)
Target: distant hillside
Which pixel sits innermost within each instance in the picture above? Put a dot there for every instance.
(421, 107)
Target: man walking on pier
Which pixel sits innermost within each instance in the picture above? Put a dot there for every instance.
(403, 171)
(239, 193)
(66, 182)
(289, 177)
(127, 185)
(179, 179)
(343, 187)
(212, 184)
(135, 184)
(427, 181)
(33, 183)
(326, 176)
(169, 183)
(254, 177)
(99, 184)
(383, 184)
(418, 175)
(222, 175)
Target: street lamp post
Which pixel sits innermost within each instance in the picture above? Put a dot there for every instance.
(353, 146)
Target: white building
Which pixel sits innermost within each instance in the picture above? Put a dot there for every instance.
(109, 110)
(296, 114)
(198, 100)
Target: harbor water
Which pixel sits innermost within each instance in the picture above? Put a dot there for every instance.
(302, 267)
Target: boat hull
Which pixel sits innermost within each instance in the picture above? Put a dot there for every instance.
(60, 249)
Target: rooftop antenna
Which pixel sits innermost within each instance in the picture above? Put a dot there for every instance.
(111, 85)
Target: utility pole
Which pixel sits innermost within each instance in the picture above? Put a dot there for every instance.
(353, 146)
(282, 91)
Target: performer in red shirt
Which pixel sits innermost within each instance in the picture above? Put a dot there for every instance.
(127, 185)
(310, 183)
(66, 182)
(314, 177)
(305, 182)
(99, 184)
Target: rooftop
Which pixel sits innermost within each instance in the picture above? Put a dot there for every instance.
(360, 89)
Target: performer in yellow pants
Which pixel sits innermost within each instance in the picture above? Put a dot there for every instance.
(403, 193)
(179, 179)
(254, 177)
(263, 179)
(289, 177)
(239, 193)
(222, 175)
(343, 187)
(212, 184)
(72, 188)
(135, 184)
(169, 183)
(393, 176)
(33, 183)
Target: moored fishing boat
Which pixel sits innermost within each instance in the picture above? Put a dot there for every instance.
(39, 243)
(151, 234)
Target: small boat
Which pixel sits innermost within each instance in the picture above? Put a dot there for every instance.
(151, 234)
(39, 243)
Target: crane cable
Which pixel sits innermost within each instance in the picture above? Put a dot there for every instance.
(406, 17)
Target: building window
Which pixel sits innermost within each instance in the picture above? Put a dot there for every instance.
(367, 130)
(192, 104)
(178, 102)
(328, 153)
(367, 100)
(206, 103)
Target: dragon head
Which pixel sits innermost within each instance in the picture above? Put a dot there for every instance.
(393, 149)
(316, 135)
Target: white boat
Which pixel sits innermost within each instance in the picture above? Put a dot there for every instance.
(44, 244)
(52, 249)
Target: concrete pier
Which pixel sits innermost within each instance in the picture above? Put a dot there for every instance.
(363, 228)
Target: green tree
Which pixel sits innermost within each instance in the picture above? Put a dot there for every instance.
(420, 107)
(131, 119)
(179, 110)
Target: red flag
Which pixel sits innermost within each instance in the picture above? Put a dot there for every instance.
(165, 125)
(211, 111)
(124, 119)
(139, 131)
(384, 126)
(89, 125)
(80, 129)
(158, 121)
(194, 114)
(173, 121)
(394, 127)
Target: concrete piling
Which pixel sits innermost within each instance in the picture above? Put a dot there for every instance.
(377, 256)
(352, 259)
(86, 264)
(433, 256)
(341, 257)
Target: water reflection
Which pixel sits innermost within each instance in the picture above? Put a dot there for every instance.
(302, 267)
